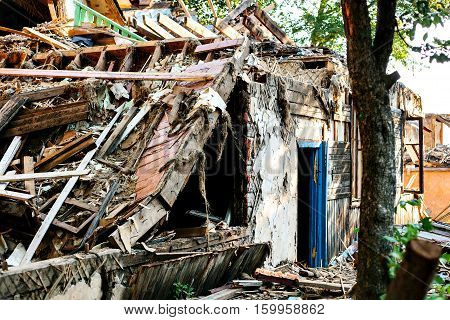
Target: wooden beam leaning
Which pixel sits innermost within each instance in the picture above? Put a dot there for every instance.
(10, 154)
(55, 43)
(65, 193)
(157, 76)
(174, 27)
(196, 27)
(65, 153)
(272, 26)
(155, 27)
(15, 195)
(10, 109)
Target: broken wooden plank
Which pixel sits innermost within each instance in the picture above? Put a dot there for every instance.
(101, 212)
(144, 30)
(15, 195)
(107, 147)
(293, 280)
(185, 9)
(28, 168)
(217, 46)
(40, 119)
(65, 192)
(5, 184)
(196, 27)
(10, 109)
(24, 34)
(10, 153)
(191, 232)
(36, 95)
(272, 26)
(175, 27)
(132, 124)
(157, 76)
(55, 43)
(227, 30)
(155, 27)
(43, 175)
(72, 148)
(225, 294)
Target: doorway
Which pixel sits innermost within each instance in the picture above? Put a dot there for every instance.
(312, 199)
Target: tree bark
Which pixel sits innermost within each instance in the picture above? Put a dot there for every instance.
(416, 271)
(367, 70)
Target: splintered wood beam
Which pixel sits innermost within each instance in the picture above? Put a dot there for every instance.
(15, 195)
(196, 27)
(5, 184)
(40, 119)
(145, 31)
(227, 30)
(156, 76)
(72, 148)
(55, 43)
(10, 109)
(154, 26)
(272, 26)
(65, 193)
(43, 175)
(40, 94)
(106, 149)
(217, 46)
(174, 27)
(10, 153)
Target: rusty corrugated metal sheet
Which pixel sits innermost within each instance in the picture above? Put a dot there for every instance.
(201, 271)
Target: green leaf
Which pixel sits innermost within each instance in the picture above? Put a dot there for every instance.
(356, 230)
(427, 224)
(390, 239)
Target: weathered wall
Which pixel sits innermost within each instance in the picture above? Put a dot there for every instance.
(272, 164)
(271, 173)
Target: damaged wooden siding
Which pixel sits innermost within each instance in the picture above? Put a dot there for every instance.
(202, 271)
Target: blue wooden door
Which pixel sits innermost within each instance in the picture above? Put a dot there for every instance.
(317, 160)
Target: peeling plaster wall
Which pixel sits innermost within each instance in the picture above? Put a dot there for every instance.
(272, 167)
(272, 174)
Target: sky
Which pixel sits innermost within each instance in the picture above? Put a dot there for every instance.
(430, 80)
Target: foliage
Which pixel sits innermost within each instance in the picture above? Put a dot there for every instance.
(400, 240)
(205, 14)
(182, 291)
(319, 23)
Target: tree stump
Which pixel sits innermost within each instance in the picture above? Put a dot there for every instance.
(416, 271)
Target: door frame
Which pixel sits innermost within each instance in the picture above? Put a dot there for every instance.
(317, 237)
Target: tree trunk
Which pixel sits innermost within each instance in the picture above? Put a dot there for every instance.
(367, 64)
(378, 192)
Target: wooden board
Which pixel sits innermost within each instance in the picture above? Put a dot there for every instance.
(156, 76)
(40, 119)
(175, 27)
(217, 46)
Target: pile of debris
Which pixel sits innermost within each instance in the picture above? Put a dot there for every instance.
(439, 156)
(290, 282)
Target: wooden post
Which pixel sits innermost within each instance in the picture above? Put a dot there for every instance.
(416, 271)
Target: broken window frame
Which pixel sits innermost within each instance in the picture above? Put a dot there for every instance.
(421, 155)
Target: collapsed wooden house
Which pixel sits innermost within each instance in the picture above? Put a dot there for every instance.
(194, 149)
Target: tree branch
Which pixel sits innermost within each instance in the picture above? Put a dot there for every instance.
(384, 34)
